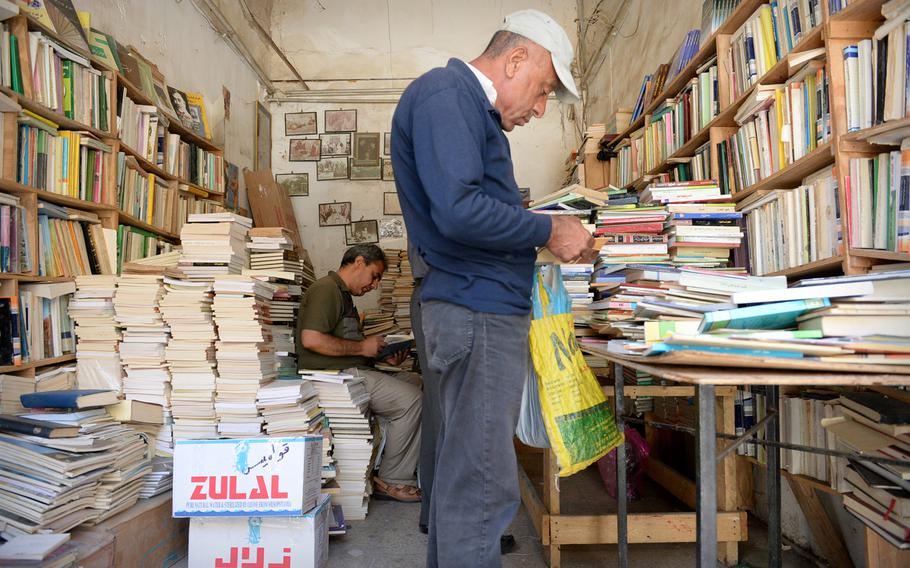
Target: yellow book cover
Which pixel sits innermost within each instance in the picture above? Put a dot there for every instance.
(63, 141)
(37, 9)
(808, 87)
(73, 176)
(150, 203)
(767, 34)
(197, 110)
(779, 109)
(41, 118)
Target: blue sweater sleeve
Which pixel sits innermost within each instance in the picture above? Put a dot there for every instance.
(448, 136)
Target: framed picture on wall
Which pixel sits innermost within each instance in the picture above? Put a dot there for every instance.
(387, 173)
(341, 120)
(335, 214)
(336, 144)
(387, 143)
(263, 157)
(299, 123)
(371, 171)
(297, 185)
(328, 169)
(361, 232)
(366, 148)
(390, 203)
(304, 150)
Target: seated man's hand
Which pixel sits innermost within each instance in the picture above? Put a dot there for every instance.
(397, 359)
(371, 346)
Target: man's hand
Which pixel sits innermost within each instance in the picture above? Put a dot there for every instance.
(397, 359)
(371, 346)
(569, 241)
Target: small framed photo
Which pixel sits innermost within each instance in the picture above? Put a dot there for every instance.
(328, 169)
(304, 150)
(366, 148)
(299, 123)
(361, 232)
(336, 144)
(387, 143)
(297, 185)
(390, 203)
(366, 172)
(387, 173)
(391, 228)
(341, 120)
(335, 214)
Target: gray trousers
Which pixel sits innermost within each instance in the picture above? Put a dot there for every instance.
(432, 416)
(482, 361)
(398, 399)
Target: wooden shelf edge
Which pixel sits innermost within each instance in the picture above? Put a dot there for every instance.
(127, 219)
(809, 268)
(59, 199)
(805, 479)
(877, 130)
(29, 278)
(880, 254)
(811, 162)
(188, 135)
(859, 11)
(41, 363)
(146, 165)
(62, 122)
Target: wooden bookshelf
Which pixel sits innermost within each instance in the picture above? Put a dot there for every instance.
(804, 479)
(792, 175)
(881, 254)
(822, 266)
(146, 165)
(859, 11)
(41, 363)
(127, 219)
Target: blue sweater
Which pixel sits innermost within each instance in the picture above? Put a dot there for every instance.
(453, 171)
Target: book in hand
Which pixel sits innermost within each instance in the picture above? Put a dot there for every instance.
(42, 428)
(394, 348)
(91, 398)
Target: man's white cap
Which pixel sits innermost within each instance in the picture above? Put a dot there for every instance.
(545, 32)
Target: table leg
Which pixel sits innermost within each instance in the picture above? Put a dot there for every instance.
(772, 434)
(706, 482)
(622, 544)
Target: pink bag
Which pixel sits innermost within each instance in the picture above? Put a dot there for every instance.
(637, 452)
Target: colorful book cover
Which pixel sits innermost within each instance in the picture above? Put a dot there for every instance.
(778, 315)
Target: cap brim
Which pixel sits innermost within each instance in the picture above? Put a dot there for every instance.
(566, 91)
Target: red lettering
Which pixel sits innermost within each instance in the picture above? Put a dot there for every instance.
(234, 494)
(214, 491)
(199, 491)
(220, 563)
(260, 492)
(277, 493)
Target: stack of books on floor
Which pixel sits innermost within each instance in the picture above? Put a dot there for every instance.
(11, 388)
(144, 339)
(345, 400)
(382, 320)
(160, 479)
(404, 288)
(273, 259)
(878, 494)
(149, 419)
(244, 352)
(190, 355)
(379, 321)
(214, 244)
(97, 333)
(290, 407)
(639, 378)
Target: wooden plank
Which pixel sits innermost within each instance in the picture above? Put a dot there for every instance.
(643, 528)
(745, 484)
(674, 482)
(881, 554)
(825, 533)
(531, 500)
(551, 502)
(728, 552)
(811, 268)
(631, 391)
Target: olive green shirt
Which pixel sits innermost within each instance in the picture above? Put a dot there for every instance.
(328, 307)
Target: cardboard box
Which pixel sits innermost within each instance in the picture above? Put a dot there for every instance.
(266, 542)
(595, 176)
(247, 477)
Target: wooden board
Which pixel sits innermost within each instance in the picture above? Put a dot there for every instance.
(748, 362)
(271, 206)
(643, 528)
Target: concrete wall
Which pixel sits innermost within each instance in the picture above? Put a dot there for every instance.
(369, 51)
(193, 57)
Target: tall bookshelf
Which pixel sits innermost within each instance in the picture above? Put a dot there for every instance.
(856, 21)
(107, 210)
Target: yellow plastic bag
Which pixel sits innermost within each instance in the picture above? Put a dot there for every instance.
(579, 421)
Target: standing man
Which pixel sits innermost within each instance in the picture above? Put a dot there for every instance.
(461, 204)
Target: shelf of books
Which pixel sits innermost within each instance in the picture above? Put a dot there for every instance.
(765, 106)
(97, 167)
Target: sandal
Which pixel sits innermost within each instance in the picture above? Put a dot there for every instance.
(386, 492)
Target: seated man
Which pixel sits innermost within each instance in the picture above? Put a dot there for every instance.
(329, 336)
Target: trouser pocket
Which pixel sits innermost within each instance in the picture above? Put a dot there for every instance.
(449, 333)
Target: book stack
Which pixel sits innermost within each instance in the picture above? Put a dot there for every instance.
(190, 354)
(194, 165)
(121, 484)
(878, 201)
(244, 352)
(383, 319)
(62, 377)
(345, 400)
(576, 279)
(188, 204)
(144, 339)
(639, 378)
(145, 196)
(70, 163)
(11, 388)
(875, 72)
(36, 324)
(214, 244)
(44, 550)
(792, 121)
(15, 241)
(290, 407)
(148, 419)
(160, 479)
(877, 494)
(703, 228)
(404, 288)
(142, 128)
(97, 333)
(272, 258)
(810, 214)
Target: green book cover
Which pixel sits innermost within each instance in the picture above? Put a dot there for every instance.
(67, 70)
(15, 71)
(120, 230)
(777, 315)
